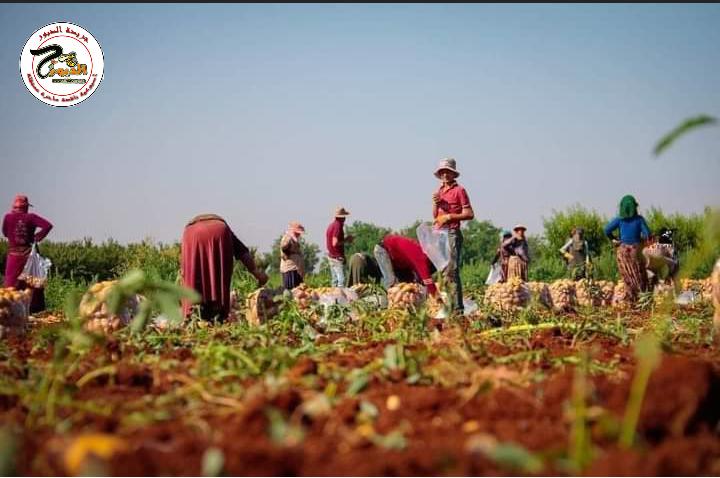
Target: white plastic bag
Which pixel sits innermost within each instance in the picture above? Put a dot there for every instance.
(37, 267)
(435, 245)
(385, 265)
(494, 275)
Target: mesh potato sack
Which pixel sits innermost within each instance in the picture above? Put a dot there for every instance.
(508, 296)
(260, 306)
(563, 295)
(540, 292)
(94, 309)
(14, 305)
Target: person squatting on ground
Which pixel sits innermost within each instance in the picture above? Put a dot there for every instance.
(207, 251)
(517, 246)
(661, 260)
(335, 244)
(577, 254)
(633, 231)
(451, 205)
(502, 255)
(292, 264)
(363, 269)
(19, 227)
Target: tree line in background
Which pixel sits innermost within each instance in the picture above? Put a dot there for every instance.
(83, 261)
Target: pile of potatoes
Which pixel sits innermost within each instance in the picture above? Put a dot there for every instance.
(94, 309)
(703, 287)
(405, 296)
(508, 296)
(14, 306)
(594, 293)
(304, 296)
(563, 294)
(540, 292)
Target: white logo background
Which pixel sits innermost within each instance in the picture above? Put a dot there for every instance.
(69, 84)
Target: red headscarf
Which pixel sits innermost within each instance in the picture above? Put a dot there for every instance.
(21, 203)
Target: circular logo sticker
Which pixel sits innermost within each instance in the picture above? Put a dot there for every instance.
(62, 64)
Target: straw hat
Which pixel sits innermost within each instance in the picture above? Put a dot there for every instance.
(449, 164)
(520, 226)
(341, 212)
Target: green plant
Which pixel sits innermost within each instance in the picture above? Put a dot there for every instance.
(647, 352)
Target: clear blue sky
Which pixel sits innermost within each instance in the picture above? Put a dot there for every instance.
(269, 113)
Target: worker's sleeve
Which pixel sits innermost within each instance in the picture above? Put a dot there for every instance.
(464, 199)
(565, 248)
(5, 231)
(419, 263)
(239, 249)
(44, 226)
(610, 228)
(524, 252)
(644, 229)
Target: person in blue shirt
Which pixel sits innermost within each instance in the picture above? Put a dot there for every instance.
(633, 231)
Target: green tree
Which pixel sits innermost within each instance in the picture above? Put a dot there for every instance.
(560, 224)
(365, 236)
(411, 230)
(480, 241)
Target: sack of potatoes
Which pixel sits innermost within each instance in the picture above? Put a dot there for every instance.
(702, 287)
(563, 295)
(588, 293)
(619, 295)
(540, 292)
(406, 296)
(261, 306)
(508, 296)
(14, 305)
(94, 309)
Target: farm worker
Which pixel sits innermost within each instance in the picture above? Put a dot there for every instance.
(292, 264)
(661, 260)
(577, 254)
(408, 261)
(633, 231)
(517, 246)
(208, 248)
(335, 243)
(19, 226)
(363, 269)
(451, 205)
(502, 255)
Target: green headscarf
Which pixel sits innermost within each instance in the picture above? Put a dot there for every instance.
(628, 207)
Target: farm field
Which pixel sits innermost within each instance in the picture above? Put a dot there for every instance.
(362, 390)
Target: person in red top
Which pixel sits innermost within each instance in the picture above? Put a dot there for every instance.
(335, 243)
(19, 227)
(409, 262)
(451, 205)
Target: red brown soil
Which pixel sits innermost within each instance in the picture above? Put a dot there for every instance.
(677, 426)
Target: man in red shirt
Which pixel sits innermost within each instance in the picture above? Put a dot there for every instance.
(409, 262)
(335, 243)
(451, 205)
